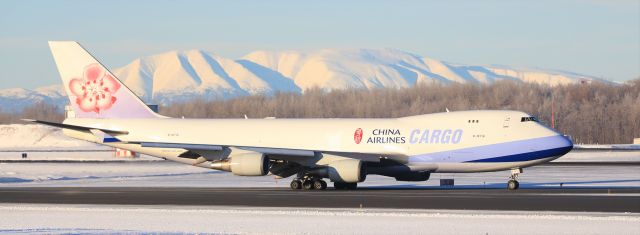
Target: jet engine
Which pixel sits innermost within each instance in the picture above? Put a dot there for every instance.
(244, 164)
(347, 171)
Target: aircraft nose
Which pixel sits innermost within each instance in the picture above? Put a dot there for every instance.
(563, 143)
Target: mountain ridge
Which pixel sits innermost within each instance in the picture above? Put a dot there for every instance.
(177, 76)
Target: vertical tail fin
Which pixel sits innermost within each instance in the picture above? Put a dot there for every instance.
(93, 91)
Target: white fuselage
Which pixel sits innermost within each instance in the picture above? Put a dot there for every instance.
(467, 141)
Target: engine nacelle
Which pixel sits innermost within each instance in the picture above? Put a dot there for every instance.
(244, 164)
(348, 171)
(250, 164)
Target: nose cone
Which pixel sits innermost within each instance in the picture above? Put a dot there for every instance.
(565, 144)
(560, 145)
(557, 144)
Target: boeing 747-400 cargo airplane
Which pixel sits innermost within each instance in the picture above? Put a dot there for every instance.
(105, 111)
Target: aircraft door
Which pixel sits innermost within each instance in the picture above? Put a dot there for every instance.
(506, 122)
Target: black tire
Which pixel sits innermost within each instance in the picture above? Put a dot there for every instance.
(319, 184)
(513, 185)
(307, 185)
(296, 184)
(352, 186)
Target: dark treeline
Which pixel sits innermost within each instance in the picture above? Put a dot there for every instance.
(39, 111)
(590, 113)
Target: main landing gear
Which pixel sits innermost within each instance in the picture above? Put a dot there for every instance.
(308, 183)
(513, 183)
(311, 183)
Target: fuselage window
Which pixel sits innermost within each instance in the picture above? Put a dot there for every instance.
(528, 119)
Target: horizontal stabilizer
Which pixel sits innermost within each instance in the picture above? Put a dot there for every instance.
(77, 128)
(103, 137)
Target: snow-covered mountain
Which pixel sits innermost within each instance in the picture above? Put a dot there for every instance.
(183, 75)
(15, 99)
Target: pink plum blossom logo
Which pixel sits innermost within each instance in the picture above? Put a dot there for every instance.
(94, 91)
(357, 136)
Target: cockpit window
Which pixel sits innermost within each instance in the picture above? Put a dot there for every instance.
(528, 119)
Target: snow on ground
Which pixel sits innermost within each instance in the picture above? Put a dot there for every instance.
(88, 219)
(169, 174)
(600, 156)
(35, 137)
(135, 219)
(75, 156)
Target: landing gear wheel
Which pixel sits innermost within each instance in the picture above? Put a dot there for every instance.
(296, 184)
(513, 185)
(513, 180)
(307, 184)
(319, 184)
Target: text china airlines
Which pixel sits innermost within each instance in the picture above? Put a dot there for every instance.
(416, 136)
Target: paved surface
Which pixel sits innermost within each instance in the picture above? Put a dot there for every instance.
(592, 200)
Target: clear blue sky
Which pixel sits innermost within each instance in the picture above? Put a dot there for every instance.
(594, 37)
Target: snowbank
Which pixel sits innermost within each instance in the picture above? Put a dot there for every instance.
(169, 174)
(92, 219)
(39, 137)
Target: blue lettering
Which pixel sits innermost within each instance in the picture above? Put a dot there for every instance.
(414, 133)
(457, 135)
(425, 137)
(446, 136)
(435, 136)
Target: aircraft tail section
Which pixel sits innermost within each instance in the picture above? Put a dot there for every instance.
(93, 91)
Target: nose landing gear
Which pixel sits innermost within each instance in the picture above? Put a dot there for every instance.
(513, 183)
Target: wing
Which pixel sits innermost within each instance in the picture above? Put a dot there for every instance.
(217, 152)
(200, 153)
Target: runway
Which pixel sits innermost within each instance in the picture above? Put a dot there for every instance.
(590, 200)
